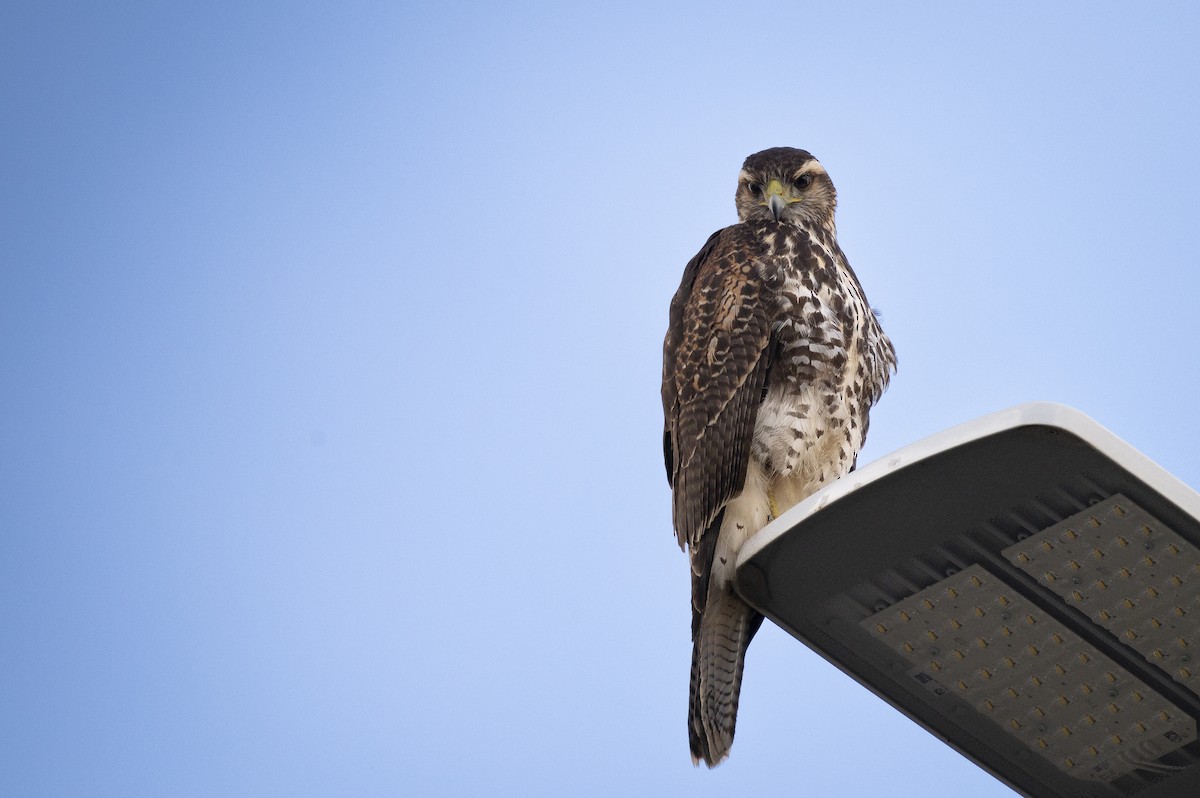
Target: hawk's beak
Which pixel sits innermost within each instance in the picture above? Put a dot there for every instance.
(776, 201)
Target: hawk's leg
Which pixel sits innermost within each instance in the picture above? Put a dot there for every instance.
(771, 502)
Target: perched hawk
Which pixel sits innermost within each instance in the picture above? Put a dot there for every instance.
(772, 360)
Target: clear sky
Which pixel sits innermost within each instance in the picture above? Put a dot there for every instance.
(331, 457)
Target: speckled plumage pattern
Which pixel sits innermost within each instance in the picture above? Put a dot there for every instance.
(772, 361)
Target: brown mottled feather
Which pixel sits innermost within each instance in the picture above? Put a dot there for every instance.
(701, 743)
(714, 369)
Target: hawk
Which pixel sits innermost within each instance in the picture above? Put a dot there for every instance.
(771, 362)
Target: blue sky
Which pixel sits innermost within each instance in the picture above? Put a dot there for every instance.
(332, 353)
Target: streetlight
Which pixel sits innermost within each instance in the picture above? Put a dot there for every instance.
(1025, 586)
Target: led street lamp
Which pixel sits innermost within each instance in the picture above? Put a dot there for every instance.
(1025, 586)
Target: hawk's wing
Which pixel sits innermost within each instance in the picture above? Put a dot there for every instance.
(715, 363)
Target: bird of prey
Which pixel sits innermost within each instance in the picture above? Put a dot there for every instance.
(771, 362)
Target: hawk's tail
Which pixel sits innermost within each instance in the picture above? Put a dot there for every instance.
(718, 654)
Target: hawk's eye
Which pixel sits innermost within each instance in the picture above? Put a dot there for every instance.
(803, 181)
(755, 189)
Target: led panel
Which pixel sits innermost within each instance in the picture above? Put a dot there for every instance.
(1128, 573)
(975, 637)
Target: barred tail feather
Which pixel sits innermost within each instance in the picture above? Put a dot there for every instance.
(718, 656)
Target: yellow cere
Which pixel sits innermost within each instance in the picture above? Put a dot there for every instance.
(775, 187)
(1139, 580)
(1036, 679)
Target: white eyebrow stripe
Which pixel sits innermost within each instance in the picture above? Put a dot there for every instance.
(812, 168)
(744, 176)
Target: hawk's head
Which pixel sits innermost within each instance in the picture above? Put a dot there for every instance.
(785, 185)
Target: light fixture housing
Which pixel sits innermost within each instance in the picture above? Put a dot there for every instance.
(1025, 586)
